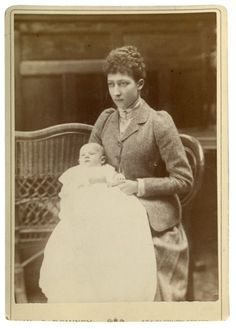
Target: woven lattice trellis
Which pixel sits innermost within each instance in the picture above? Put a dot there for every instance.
(37, 204)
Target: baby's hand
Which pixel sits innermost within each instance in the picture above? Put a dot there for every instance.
(117, 180)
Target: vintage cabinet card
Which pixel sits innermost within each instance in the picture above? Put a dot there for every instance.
(78, 248)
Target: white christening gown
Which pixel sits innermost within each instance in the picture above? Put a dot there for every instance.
(102, 249)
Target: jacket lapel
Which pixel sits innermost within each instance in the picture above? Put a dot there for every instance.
(140, 117)
(113, 126)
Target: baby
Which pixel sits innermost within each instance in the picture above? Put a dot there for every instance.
(101, 250)
(92, 155)
(91, 170)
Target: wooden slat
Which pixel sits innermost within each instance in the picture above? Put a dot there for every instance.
(57, 130)
(60, 67)
(49, 151)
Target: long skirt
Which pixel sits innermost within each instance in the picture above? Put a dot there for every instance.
(172, 258)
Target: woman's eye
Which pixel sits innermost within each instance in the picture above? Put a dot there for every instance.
(124, 83)
(110, 84)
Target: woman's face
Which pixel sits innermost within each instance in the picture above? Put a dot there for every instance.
(124, 90)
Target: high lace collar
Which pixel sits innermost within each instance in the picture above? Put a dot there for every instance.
(128, 113)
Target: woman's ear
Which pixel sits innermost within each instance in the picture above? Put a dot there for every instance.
(140, 84)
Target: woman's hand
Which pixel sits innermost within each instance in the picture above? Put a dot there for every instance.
(129, 187)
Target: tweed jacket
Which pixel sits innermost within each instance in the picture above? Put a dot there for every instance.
(150, 148)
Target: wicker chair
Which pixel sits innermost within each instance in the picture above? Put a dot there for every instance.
(41, 157)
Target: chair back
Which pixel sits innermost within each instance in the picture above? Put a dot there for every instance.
(41, 157)
(195, 155)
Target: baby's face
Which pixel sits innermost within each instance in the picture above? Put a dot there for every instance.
(90, 156)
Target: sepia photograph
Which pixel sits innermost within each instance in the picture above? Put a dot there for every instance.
(117, 145)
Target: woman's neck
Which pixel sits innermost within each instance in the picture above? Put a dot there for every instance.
(135, 103)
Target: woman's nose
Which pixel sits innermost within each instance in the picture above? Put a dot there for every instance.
(116, 91)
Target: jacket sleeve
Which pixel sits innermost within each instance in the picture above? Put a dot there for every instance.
(96, 133)
(172, 153)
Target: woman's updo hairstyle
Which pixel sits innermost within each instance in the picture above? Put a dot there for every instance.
(127, 60)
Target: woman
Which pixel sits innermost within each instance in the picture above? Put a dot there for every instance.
(145, 146)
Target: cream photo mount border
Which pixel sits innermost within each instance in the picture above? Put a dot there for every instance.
(154, 311)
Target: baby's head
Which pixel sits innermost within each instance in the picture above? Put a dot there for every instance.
(91, 154)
